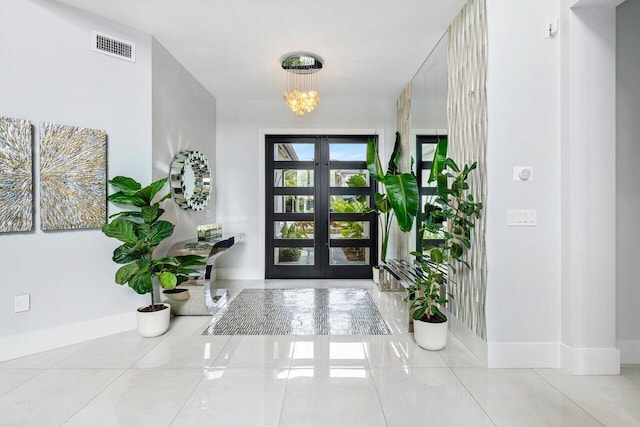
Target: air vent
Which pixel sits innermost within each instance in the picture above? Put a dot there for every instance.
(103, 43)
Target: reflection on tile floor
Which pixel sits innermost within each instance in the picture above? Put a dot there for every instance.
(186, 379)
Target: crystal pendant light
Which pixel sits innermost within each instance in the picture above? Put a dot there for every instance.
(301, 95)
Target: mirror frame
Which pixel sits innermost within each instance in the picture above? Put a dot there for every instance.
(202, 174)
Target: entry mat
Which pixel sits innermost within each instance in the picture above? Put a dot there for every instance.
(346, 311)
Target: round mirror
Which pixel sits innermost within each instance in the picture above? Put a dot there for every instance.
(190, 180)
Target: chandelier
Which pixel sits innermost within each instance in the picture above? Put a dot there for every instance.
(301, 95)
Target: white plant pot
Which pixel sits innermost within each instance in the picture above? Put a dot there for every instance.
(376, 275)
(430, 336)
(153, 323)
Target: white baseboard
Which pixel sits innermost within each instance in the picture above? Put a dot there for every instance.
(20, 345)
(629, 351)
(524, 355)
(590, 361)
(473, 342)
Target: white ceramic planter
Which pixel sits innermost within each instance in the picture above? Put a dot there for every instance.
(154, 323)
(430, 336)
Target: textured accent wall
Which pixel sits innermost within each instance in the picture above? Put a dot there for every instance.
(404, 127)
(467, 115)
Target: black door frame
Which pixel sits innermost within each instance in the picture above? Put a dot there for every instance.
(321, 165)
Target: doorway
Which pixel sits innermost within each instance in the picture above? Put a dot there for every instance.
(318, 196)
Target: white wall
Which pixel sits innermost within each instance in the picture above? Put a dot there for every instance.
(184, 118)
(588, 188)
(50, 74)
(627, 180)
(240, 172)
(523, 280)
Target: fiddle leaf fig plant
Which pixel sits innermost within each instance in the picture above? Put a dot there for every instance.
(400, 199)
(141, 230)
(451, 215)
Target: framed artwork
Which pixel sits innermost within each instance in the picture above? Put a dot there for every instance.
(73, 177)
(16, 177)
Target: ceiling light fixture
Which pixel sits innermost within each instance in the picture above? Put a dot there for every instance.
(301, 95)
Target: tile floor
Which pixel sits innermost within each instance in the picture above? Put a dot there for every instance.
(185, 379)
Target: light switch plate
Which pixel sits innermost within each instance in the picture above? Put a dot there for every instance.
(22, 303)
(521, 218)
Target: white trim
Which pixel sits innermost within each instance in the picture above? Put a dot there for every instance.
(467, 337)
(524, 355)
(262, 133)
(597, 3)
(629, 351)
(20, 345)
(590, 361)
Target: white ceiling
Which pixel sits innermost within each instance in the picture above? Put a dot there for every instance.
(370, 48)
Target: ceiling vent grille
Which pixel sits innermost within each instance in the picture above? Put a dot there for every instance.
(103, 43)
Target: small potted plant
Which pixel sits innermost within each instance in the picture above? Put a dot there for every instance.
(141, 230)
(451, 215)
(400, 199)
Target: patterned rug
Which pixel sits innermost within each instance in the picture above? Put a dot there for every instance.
(299, 312)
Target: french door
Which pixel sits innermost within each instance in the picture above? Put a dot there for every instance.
(318, 193)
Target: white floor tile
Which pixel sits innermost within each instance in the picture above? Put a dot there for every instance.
(115, 351)
(612, 400)
(255, 351)
(456, 355)
(331, 397)
(188, 351)
(426, 396)
(519, 397)
(53, 396)
(140, 397)
(12, 378)
(328, 351)
(631, 371)
(43, 360)
(399, 351)
(236, 398)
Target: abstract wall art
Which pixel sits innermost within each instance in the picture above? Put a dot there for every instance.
(16, 189)
(73, 177)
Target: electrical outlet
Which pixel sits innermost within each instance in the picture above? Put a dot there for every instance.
(207, 213)
(22, 303)
(521, 218)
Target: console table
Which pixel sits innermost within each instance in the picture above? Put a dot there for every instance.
(201, 299)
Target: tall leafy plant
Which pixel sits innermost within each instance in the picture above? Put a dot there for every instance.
(141, 230)
(401, 197)
(451, 216)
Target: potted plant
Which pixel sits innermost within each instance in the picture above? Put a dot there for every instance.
(400, 199)
(451, 215)
(141, 230)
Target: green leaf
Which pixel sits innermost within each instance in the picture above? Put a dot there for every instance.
(167, 280)
(125, 184)
(191, 260)
(439, 158)
(382, 203)
(160, 231)
(392, 168)
(148, 193)
(452, 165)
(126, 199)
(443, 189)
(150, 213)
(134, 214)
(125, 272)
(141, 282)
(402, 191)
(436, 255)
(373, 161)
(122, 230)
